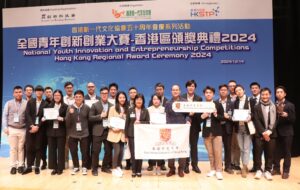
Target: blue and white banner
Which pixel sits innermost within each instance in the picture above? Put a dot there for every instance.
(139, 43)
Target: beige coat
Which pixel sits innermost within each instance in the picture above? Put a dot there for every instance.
(113, 136)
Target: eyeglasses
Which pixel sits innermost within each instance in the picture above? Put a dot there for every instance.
(104, 93)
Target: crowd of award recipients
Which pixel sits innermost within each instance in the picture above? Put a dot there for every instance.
(30, 134)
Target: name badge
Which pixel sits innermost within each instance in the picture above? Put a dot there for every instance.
(208, 122)
(16, 118)
(132, 115)
(105, 123)
(78, 126)
(55, 125)
(36, 120)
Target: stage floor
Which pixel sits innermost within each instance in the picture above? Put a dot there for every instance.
(148, 181)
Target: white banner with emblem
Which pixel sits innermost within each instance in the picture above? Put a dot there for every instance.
(166, 141)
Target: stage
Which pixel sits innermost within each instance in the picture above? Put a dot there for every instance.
(148, 181)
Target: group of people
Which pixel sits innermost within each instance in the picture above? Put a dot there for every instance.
(268, 129)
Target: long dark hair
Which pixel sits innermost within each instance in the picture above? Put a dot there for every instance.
(61, 95)
(118, 106)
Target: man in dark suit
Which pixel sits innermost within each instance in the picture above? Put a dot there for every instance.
(191, 86)
(286, 118)
(264, 118)
(227, 126)
(91, 95)
(254, 100)
(98, 118)
(159, 91)
(35, 130)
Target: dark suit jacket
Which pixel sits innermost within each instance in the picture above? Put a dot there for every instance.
(259, 122)
(216, 128)
(30, 113)
(95, 118)
(195, 124)
(252, 103)
(61, 131)
(86, 97)
(163, 104)
(285, 124)
(228, 122)
(130, 119)
(246, 106)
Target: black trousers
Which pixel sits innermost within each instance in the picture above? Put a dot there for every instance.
(227, 140)
(268, 149)
(194, 137)
(283, 150)
(90, 150)
(107, 159)
(181, 161)
(73, 145)
(136, 164)
(33, 149)
(56, 152)
(118, 154)
(44, 148)
(97, 145)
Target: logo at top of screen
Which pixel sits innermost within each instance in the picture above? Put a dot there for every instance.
(205, 12)
(132, 13)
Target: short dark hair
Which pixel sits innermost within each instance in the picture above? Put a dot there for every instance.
(104, 88)
(266, 89)
(223, 85)
(48, 88)
(132, 88)
(232, 81)
(255, 84)
(68, 83)
(29, 86)
(209, 88)
(61, 94)
(113, 85)
(18, 88)
(139, 95)
(39, 88)
(79, 92)
(159, 84)
(239, 85)
(190, 82)
(281, 87)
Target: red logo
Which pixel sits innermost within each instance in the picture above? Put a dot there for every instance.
(117, 14)
(165, 135)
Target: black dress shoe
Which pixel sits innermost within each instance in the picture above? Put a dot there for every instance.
(180, 173)
(37, 170)
(44, 166)
(186, 170)
(13, 171)
(95, 172)
(196, 169)
(27, 171)
(163, 168)
(150, 168)
(253, 170)
(139, 175)
(133, 175)
(170, 173)
(106, 170)
(229, 170)
(237, 168)
(276, 172)
(20, 169)
(59, 172)
(127, 167)
(53, 172)
(285, 175)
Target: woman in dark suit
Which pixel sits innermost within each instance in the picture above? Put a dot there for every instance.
(137, 114)
(56, 133)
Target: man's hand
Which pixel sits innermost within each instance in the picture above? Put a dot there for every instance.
(204, 115)
(284, 114)
(103, 114)
(60, 118)
(71, 110)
